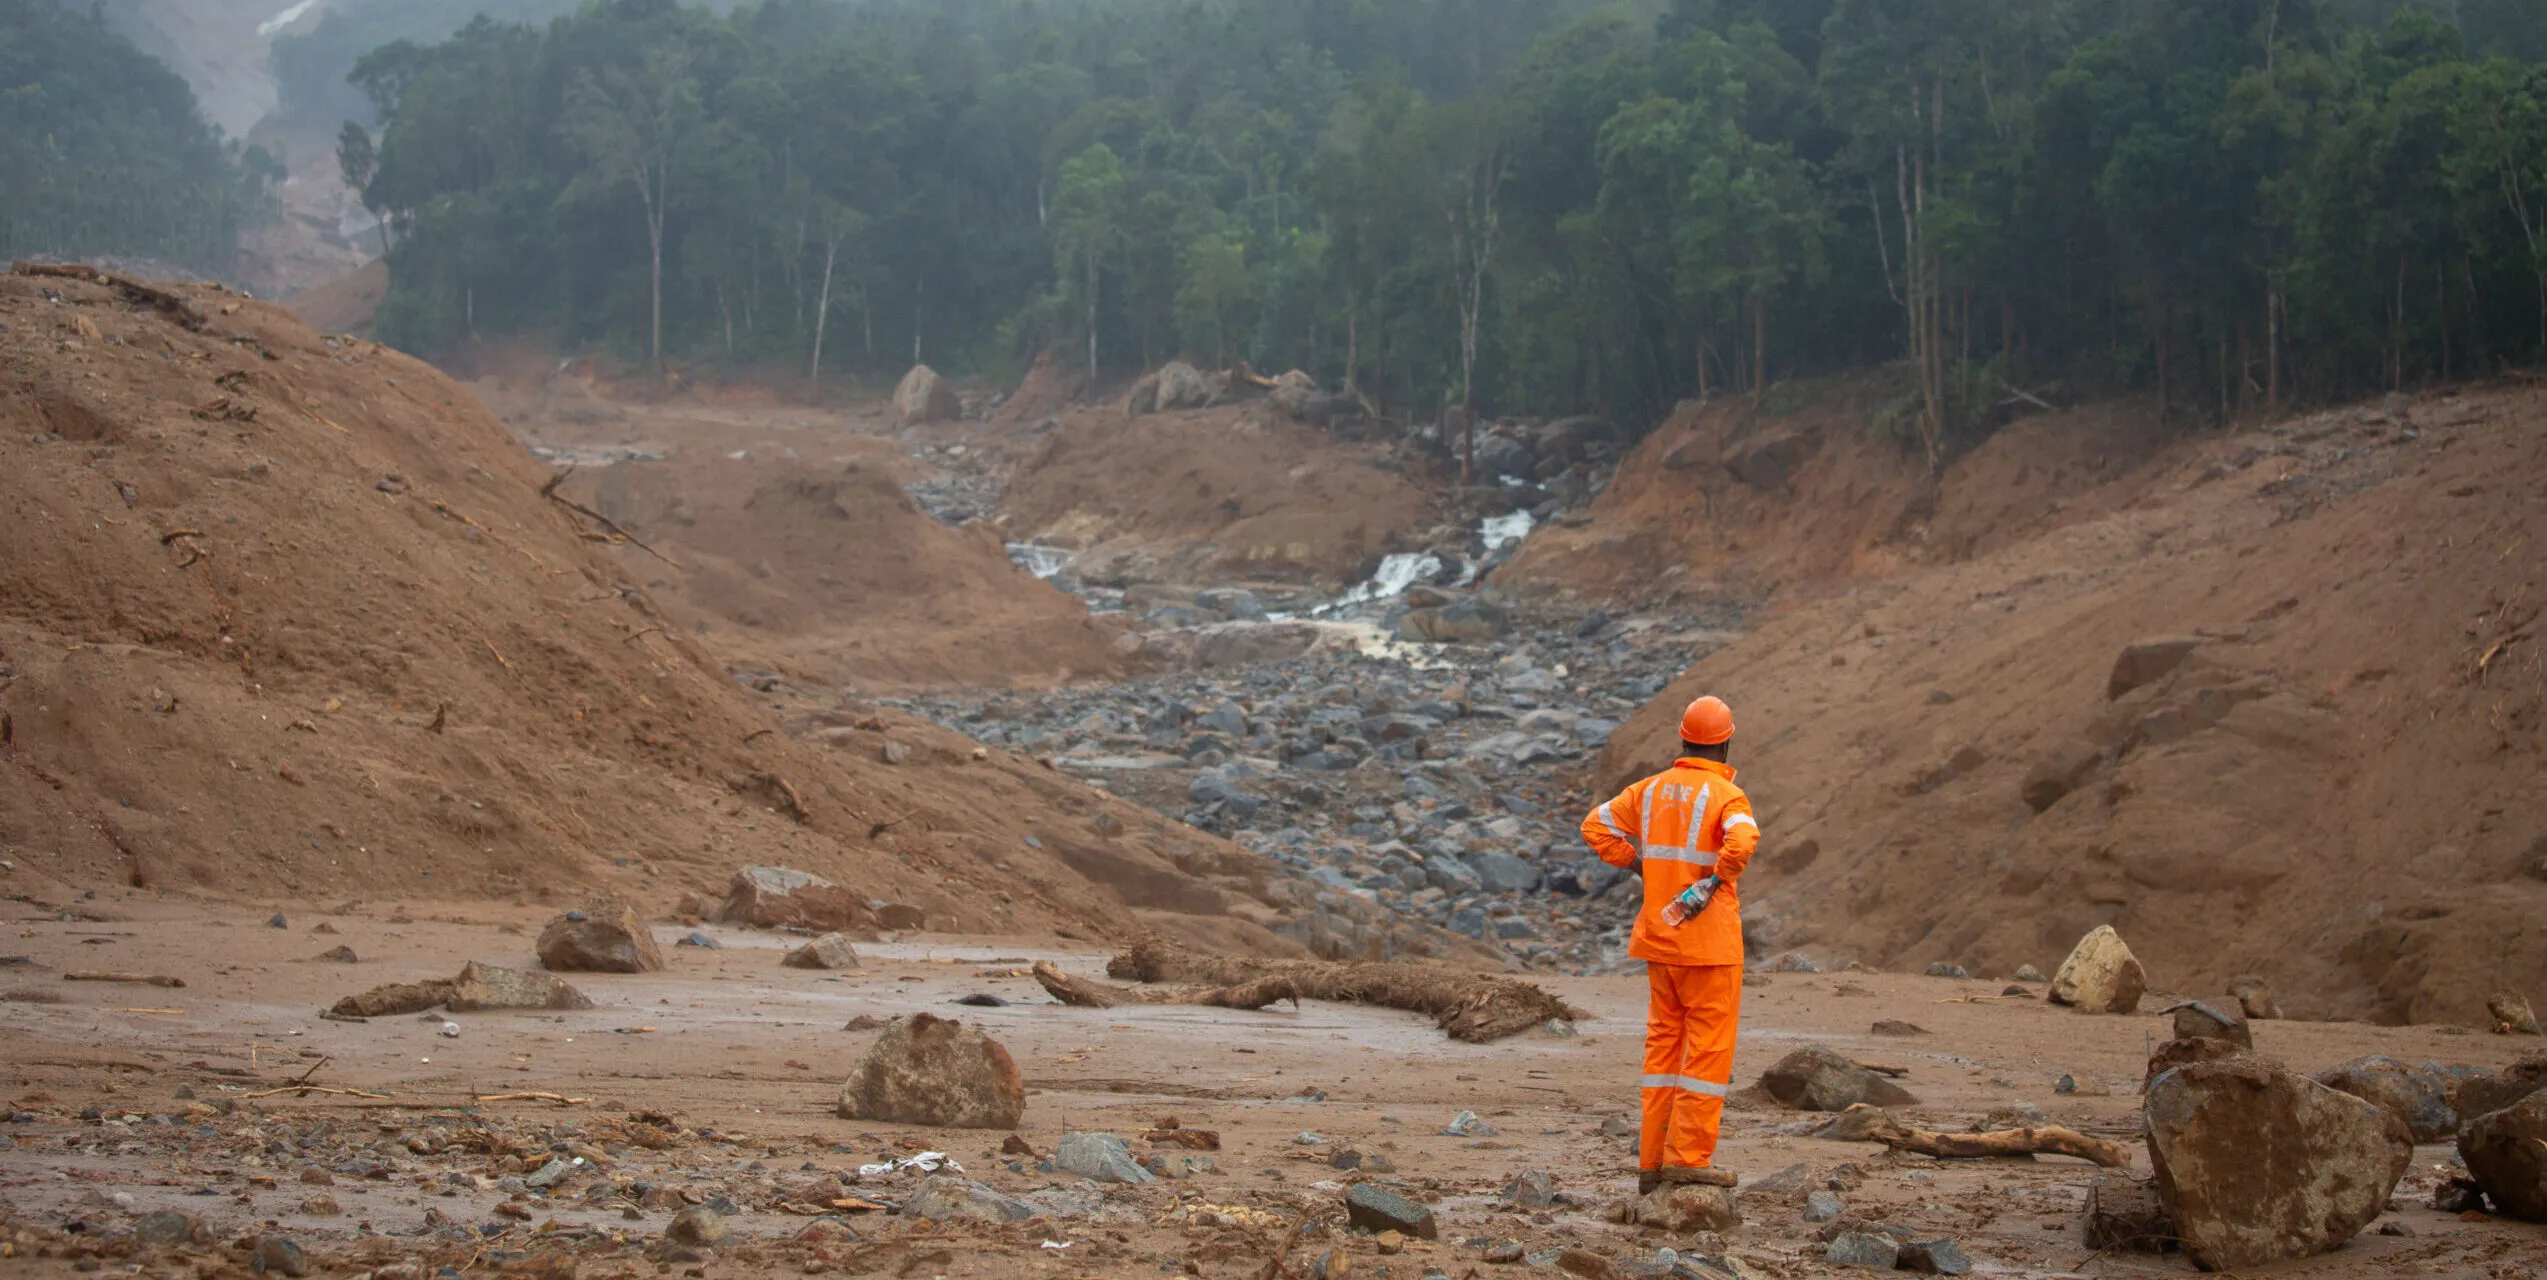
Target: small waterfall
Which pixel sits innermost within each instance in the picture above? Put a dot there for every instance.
(1042, 561)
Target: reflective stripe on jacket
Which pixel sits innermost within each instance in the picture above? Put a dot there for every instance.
(1683, 824)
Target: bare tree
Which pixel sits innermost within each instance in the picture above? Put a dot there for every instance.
(625, 124)
(1473, 222)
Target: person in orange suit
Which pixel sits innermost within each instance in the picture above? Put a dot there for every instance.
(1690, 832)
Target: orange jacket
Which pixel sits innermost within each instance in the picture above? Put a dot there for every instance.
(1684, 824)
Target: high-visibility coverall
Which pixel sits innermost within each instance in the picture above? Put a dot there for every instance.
(1684, 824)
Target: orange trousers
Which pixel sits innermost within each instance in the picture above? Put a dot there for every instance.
(1689, 1033)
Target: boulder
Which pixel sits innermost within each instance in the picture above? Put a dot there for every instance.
(483, 987)
(948, 1198)
(923, 396)
(1375, 1209)
(830, 951)
(1503, 873)
(2254, 998)
(2172, 1054)
(1531, 1189)
(2419, 1096)
(1181, 386)
(1767, 459)
(2100, 976)
(783, 897)
(1869, 1249)
(1467, 620)
(927, 1070)
(2124, 1214)
(1099, 1157)
(392, 999)
(2493, 1091)
(2257, 1165)
(2506, 1152)
(699, 1227)
(165, 1228)
(2511, 1013)
(1814, 1078)
(1248, 644)
(1684, 1209)
(1942, 1256)
(604, 940)
(2148, 660)
(2196, 1020)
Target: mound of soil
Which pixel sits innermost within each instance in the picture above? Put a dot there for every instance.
(290, 616)
(1212, 495)
(832, 572)
(1795, 492)
(2339, 786)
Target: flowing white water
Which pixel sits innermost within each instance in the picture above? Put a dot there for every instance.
(1396, 574)
(265, 30)
(1043, 562)
(1499, 530)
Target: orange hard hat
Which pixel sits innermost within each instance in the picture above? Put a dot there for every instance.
(1708, 722)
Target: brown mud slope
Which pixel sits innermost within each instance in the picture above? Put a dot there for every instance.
(830, 572)
(345, 304)
(2341, 787)
(287, 617)
(1745, 499)
(1228, 494)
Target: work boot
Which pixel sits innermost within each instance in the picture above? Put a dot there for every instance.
(1646, 1181)
(1702, 1175)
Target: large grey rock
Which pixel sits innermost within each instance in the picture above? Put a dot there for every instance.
(1531, 1189)
(927, 1070)
(1503, 873)
(948, 1198)
(2506, 1152)
(923, 396)
(783, 897)
(483, 987)
(607, 939)
(1863, 1249)
(1181, 386)
(2420, 1096)
(1815, 1078)
(1099, 1157)
(1252, 644)
(391, 999)
(279, 1256)
(698, 1226)
(1375, 1209)
(2148, 660)
(830, 951)
(1467, 620)
(2258, 1165)
(1942, 1256)
(2101, 975)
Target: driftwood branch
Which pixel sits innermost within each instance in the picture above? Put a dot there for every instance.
(1473, 1007)
(549, 491)
(1877, 1125)
(1255, 993)
(95, 975)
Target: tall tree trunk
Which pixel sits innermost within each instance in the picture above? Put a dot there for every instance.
(1092, 320)
(822, 310)
(1759, 346)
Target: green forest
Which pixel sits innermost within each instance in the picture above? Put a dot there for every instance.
(103, 152)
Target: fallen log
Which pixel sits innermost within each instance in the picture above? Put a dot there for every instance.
(152, 979)
(1874, 1124)
(1472, 1007)
(1081, 993)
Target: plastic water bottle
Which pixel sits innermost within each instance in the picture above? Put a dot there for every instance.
(1691, 901)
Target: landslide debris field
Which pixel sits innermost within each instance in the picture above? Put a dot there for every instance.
(322, 672)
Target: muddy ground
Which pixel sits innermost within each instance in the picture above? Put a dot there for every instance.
(127, 1099)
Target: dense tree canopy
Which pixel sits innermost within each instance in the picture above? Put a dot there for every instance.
(1535, 205)
(103, 152)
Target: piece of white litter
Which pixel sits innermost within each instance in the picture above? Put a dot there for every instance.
(925, 1162)
(1058, 1245)
(451, 1031)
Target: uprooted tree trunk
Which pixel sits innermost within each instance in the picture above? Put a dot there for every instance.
(1874, 1124)
(1253, 994)
(1469, 1006)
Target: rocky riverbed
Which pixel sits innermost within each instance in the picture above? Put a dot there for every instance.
(1441, 781)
